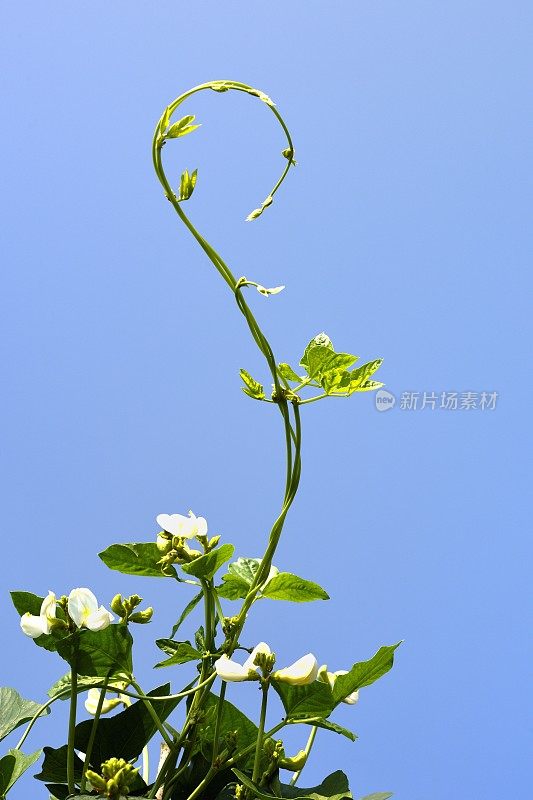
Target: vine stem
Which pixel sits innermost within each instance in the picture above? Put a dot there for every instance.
(72, 716)
(292, 436)
(261, 732)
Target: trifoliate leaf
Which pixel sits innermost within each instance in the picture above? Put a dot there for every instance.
(369, 386)
(182, 127)
(165, 119)
(377, 796)
(15, 710)
(135, 558)
(238, 579)
(187, 184)
(191, 605)
(286, 586)
(360, 375)
(12, 766)
(178, 652)
(364, 672)
(320, 340)
(287, 372)
(206, 566)
(252, 388)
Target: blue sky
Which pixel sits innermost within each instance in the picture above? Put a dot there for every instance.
(404, 232)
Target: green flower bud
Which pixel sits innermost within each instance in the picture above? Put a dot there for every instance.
(142, 617)
(97, 782)
(118, 606)
(289, 155)
(213, 542)
(132, 602)
(254, 214)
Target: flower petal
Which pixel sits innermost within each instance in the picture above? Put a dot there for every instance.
(33, 626)
(81, 603)
(91, 704)
(262, 647)
(230, 670)
(99, 619)
(49, 606)
(300, 673)
(172, 523)
(200, 525)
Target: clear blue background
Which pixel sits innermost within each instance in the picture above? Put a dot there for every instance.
(404, 233)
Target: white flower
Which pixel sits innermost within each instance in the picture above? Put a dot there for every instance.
(93, 697)
(266, 292)
(85, 612)
(330, 677)
(230, 670)
(179, 525)
(300, 673)
(33, 625)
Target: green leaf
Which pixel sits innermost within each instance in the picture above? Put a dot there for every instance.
(302, 702)
(336, 381)
(84, 683)
(179, 652)
(369, 386)
(252, 388)
(232, 588)
(206, 566)
(59, 791)
(245, 568)
(182, 127)
(100, 653)
(15, 710)
(239, 577)
(339, 361)
(12, 766)
(334, 787)
(320, 340)
(359, 376)
(135, 559)
(231, 719)
(26, 602)
(364, 672)
(317, 359)
(319, 722)
(187, 184)
(287, 372)
(191, 605)
(377, 796)
(54, 769)
(286, 586)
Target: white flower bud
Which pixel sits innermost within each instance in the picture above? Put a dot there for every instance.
(93, 697)
(300, 673)
(33, 625)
